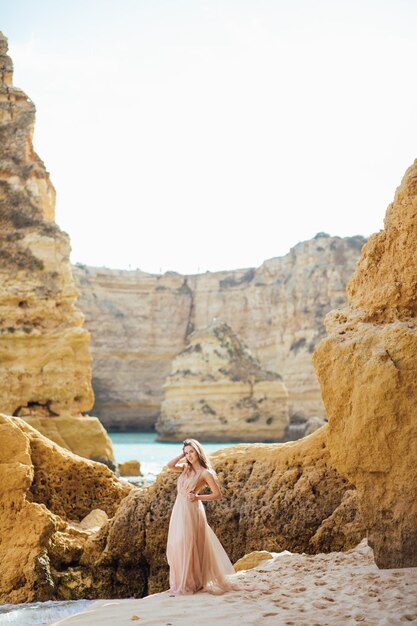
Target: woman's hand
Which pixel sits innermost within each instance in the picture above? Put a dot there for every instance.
(192, 496)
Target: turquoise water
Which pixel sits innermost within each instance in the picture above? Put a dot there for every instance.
(153, 455)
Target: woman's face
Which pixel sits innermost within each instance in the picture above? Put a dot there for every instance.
(190, 454)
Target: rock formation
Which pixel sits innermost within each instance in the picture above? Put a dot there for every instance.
(217, 391)
(276, 497)
(70, 529)
(49, 518)
(367, 370)
(129, 468)
(44, 349)
(139, 322)
(82, 435)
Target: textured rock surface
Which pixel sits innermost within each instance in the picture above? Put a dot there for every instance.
(217, 391)
(71, 530)
(276, 497)
(138, 325)
(44, 349)
(367, 369)
(46, 492)
(139, 322)
(82, 435)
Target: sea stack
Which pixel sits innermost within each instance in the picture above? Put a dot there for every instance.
(218, 391)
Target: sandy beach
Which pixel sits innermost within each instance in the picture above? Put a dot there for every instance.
(294, 590)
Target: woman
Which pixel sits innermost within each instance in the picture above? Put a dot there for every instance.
(195, 556)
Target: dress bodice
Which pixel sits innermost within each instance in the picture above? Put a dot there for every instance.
(188, 481)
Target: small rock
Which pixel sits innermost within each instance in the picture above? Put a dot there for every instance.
(130, 468)
(252, 560)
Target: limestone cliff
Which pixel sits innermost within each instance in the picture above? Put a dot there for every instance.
(137, 325)
(217, 391)
(139, 322)
(367, 370)
(45, 362)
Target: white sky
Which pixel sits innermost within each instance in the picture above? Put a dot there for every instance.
(196, 135)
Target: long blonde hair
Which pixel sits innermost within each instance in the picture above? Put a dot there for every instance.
(202, 456)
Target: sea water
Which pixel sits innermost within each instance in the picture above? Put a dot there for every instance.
(40, 613)
(153, 455)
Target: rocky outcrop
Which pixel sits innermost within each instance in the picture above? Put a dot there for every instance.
(84, 436)
(139, 322)
(275, 497)
(70, 529)
(217, 391)
(44, 349)
(366, 367)
(49, 518)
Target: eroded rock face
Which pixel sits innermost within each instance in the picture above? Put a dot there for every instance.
(276, 497)
(84, 435)
(46, 492)
(70, 529)
(138, 325)
(366, 367)
(217, 391)
(44, 349)
(139, 322)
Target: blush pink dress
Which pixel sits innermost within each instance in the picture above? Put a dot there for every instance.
(196, 558)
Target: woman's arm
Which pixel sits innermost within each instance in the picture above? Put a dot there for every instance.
(215, 494)
(175, 465)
